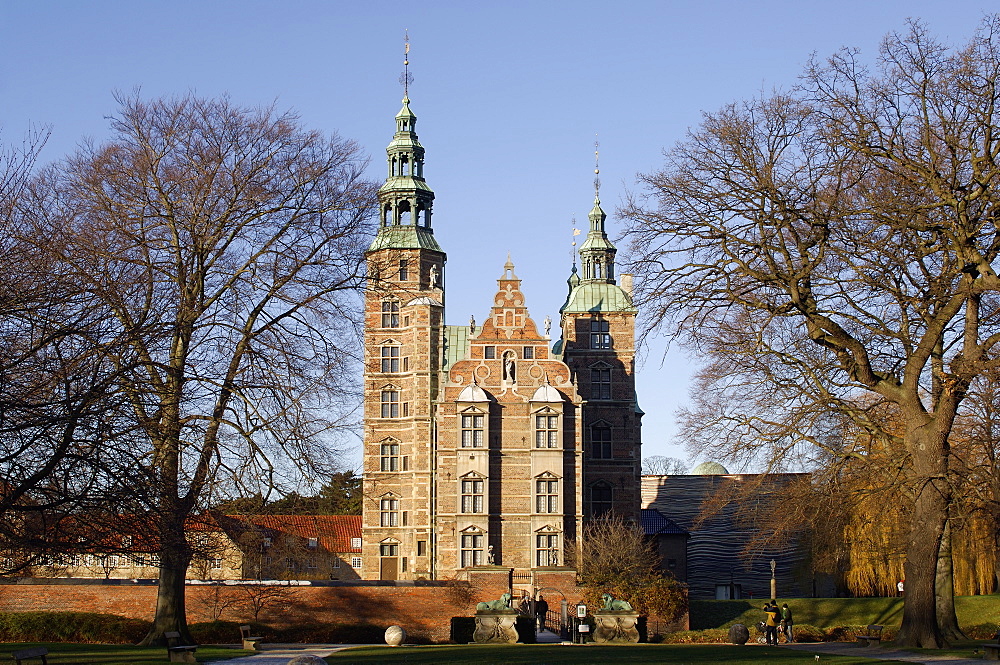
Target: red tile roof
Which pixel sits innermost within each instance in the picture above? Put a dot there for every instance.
(334, 532)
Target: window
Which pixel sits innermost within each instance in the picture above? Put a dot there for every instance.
(216, 563)
(390, 457)
(389, 549)
(489, 352)
(154, 561)
(600, 382)
(390, 314)
(600, 499)
(335, 562)
(126, 541)
(547, 496)
(290, 563)
(546, 431)
(390, 404)
(404, 270)
(600, 441)
(528, 352)
(355, 543)
(355, 562)
(547, 549)
(389, 507)
(421, 548)
(472, 431)
(472, 495)
(390, 359)
(313, 543)
(472, 549)
(311, 562)
(599, 337)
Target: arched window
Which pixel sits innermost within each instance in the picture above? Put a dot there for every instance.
(390, 314)
(600, 441)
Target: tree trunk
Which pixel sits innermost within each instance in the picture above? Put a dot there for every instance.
(927, 523)
(171, 613)
(945, 589)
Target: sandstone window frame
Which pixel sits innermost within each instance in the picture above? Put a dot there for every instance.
(472, 428)
(548, 428)
(390, 313)
(601, 442)
(547, 546)
(472, 494)
(471, 547)
(389, 354)
(601, 381)
(389, 510)
(389, 401)
(547, 492)
(600, 334)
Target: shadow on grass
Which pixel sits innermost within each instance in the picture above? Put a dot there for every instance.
(483, 654)
(69, 653)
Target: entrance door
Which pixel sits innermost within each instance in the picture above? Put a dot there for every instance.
(389, 568)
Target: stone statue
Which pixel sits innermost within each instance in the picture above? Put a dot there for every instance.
(510, 369)
(489, 556)
(435, 276)
(612, 605)
(548, 325)
(493, 605)
(472, 324)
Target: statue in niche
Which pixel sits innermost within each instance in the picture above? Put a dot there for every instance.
(490, 559)
(509, 369)
(435, 276)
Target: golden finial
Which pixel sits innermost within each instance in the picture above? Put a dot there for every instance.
(597, 168)
(406, 78)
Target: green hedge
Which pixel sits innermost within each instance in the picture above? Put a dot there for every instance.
(84, 627)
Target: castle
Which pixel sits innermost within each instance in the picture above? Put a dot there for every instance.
(492, 444)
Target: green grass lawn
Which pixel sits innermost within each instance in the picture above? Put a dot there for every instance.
(555, 654)
(832, 612)
(66, 653)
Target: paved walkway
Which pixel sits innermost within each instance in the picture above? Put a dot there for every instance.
(850, 649)
(280, 654)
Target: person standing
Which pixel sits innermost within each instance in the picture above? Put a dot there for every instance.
(771, 624)
(541, 609)
(786, 622)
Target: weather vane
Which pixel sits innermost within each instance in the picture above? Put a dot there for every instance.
(597, 168)
(576, 232)
(406, 78)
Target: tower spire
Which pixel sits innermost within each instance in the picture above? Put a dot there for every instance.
(597, 170)
(597, 253)
(406, 78)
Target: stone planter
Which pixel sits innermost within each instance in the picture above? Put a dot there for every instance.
(495, 627)
(615, 626)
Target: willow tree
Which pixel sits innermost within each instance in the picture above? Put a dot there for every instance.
(225, 244)
(833, 247)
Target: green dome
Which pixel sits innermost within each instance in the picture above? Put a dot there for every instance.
(710, 469)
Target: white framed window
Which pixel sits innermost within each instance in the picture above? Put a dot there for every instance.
(547, 549)
(472, 495)
(390, 359)
(335, 562)
(390, 403)
(547, 495)
(389, 508)
(600, 382)
(472, 549)
(546, 431)
(355, 562)
(600, 441)
(600, 337)
(390, 314)
(472, 430)
(216, 563)
(390, 456)
(355, 543)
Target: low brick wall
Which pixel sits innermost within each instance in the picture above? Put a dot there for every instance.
(424, 609)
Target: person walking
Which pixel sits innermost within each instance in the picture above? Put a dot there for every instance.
(771, 624)
(541, 609)
(786, 622)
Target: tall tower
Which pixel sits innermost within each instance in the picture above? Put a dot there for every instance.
(404, 312)
(598, 326)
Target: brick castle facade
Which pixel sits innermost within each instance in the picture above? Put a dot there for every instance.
(493, 444)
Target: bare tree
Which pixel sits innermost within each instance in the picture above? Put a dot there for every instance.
(658, 465)
(225, 244)
(835, 242)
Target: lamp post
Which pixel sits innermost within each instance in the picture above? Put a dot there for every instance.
(774, 581)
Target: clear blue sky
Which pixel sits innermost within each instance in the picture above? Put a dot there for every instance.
(509, 96)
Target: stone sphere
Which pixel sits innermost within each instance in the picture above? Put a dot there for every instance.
(395, 635)
(306, 660)
(738, 634)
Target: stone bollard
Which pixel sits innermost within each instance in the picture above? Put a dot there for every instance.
(395, 635)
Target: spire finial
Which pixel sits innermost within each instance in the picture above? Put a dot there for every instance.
(572, 251)
(406, 78)
(597, 169)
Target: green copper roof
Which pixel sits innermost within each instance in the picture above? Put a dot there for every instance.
(402, 236)
(593, 296)
(456, 341)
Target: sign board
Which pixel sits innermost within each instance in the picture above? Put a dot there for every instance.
(583, 628)
(581, 611)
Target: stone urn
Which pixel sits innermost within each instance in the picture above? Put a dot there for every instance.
(395, 635)
(616, 626)
(495, 627)
(739, 634)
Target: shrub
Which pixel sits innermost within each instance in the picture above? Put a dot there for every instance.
(84, 627)
(462, 629)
